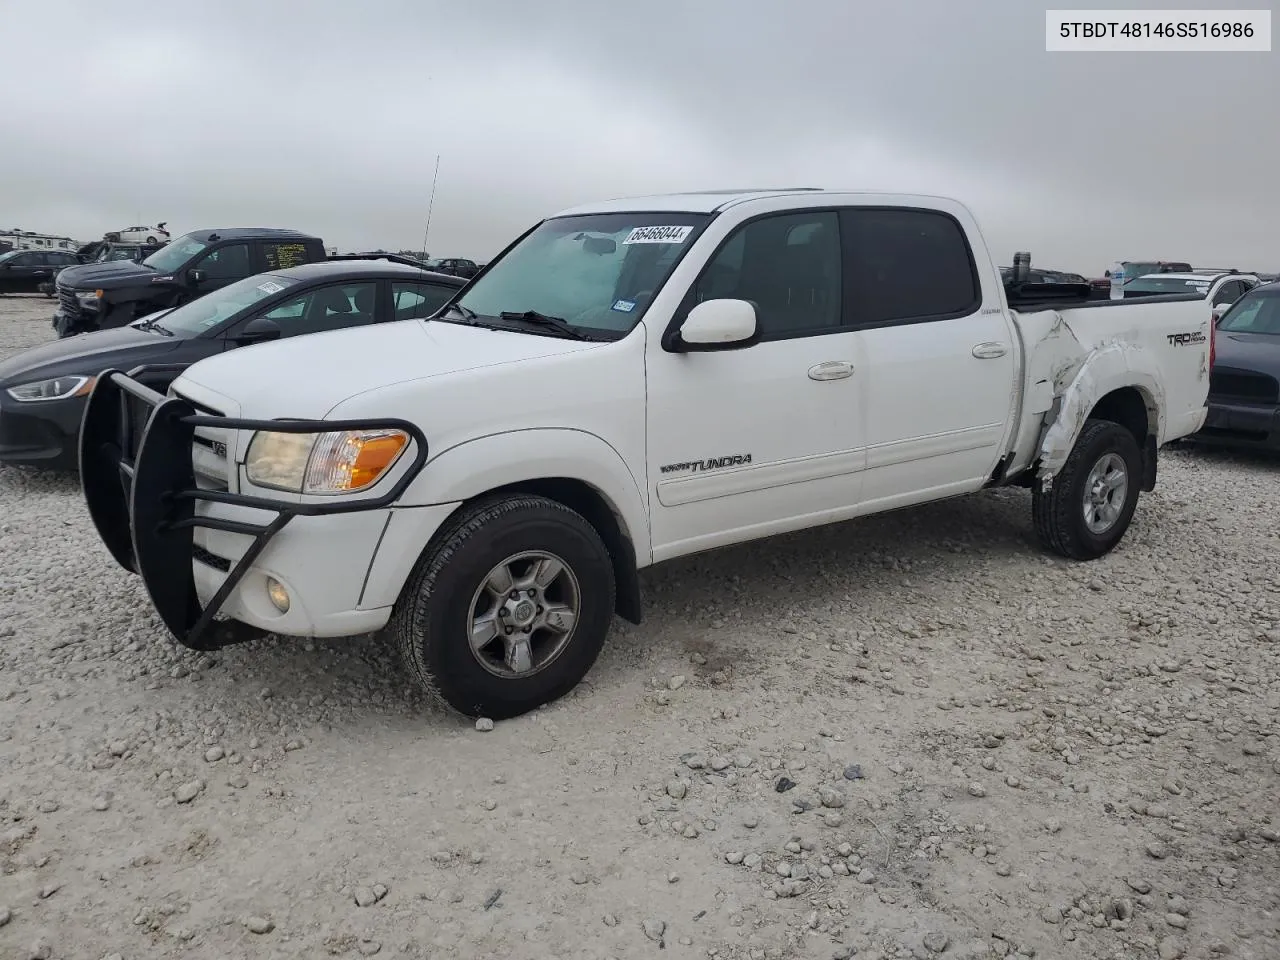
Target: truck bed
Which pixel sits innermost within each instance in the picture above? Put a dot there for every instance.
(1078, 351)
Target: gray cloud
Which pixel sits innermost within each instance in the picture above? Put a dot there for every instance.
(328, 117)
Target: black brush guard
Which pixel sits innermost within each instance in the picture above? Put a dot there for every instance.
(139, 484)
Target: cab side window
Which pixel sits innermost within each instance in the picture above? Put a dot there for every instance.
(226, 263)
(788, 267)
(1229, 292)
(334, 307)
(908, 266)
(412, 301)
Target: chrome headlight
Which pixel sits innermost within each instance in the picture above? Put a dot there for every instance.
(323, 463)
(59, 388)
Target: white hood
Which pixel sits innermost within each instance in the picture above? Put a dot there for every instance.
(320, 370)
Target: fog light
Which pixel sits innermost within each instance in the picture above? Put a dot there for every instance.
(278, 595)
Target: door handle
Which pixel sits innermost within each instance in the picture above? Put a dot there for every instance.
(990, 350)
(831, 370)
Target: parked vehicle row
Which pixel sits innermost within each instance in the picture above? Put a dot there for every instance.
(628, 382)
(43, 390)
(109, 295)
(1220, 289)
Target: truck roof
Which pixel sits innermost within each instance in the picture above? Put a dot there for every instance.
(251, 233)
(711, 201)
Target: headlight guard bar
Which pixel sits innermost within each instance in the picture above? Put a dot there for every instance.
(139, 485)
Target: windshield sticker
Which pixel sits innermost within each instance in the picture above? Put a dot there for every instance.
(658, 235)
(270, 287)
(624, 306)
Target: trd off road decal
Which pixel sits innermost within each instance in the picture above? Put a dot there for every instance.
(715, 463)
(1182, 339)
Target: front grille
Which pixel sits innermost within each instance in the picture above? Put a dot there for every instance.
(210, 559)
(1239, 386)
(67, 300)
(209, 450)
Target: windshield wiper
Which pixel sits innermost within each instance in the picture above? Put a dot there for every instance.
(551, 323)
(468, 316)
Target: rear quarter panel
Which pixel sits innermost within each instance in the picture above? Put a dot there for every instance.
(1076, 356)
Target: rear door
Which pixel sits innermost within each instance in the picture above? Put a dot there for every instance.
(941, 359)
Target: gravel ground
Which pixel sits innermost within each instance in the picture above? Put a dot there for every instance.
(908, 736)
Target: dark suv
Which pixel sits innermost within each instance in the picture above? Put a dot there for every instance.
(22, 271)
(100, 296)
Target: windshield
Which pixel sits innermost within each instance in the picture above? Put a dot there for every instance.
(117, 253)
(208, 311)
(1255, 312)
(173, 255)
(1167, 284)
(598, 272)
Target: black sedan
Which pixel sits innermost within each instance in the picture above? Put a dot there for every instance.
(43, 390)
(1244, 385)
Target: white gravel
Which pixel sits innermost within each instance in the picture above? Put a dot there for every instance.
(909, 736)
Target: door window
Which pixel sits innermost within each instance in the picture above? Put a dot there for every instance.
(788, 267)
(1229, 292)
(226, 263)
(326, 308)
(418, 300)
(908, 266)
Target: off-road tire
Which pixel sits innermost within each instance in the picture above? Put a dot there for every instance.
(1058, 514)
(430, 622)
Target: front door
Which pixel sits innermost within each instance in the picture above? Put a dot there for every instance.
(766, 438)
(941, 359)
(222, 266)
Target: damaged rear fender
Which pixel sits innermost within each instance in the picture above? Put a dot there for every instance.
(1107, 368)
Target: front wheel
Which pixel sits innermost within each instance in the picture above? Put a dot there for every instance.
(508, 608)
(1090, 505)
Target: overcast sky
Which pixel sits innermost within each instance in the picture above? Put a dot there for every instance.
(327, 116)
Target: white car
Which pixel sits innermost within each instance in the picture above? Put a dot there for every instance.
(1220, 289)
(629, 382)
(156, 234)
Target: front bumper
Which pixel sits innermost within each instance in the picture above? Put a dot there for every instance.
(1242, 425)
(204, 554)
(40, 434)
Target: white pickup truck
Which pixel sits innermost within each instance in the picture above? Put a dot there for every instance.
(629, 382)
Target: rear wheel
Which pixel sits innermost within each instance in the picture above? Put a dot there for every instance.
(509, 607)
(1090, 505)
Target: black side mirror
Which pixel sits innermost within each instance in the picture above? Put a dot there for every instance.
(196, 276)
(258, 330)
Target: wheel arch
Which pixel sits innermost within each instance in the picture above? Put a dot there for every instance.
(572, 467)
(1112, 383)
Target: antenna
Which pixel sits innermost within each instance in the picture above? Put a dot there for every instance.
(430, 205)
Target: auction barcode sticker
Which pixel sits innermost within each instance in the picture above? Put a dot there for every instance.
(1156, 31)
